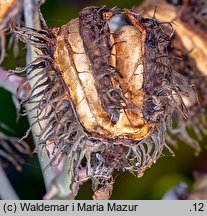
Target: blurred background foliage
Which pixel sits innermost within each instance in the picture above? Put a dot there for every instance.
(162, 176)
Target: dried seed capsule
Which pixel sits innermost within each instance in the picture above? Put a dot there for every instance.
(105, 97)
(80, 68)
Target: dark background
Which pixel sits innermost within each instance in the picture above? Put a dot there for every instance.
(165, 174)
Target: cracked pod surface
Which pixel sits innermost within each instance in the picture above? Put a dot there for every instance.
(103, 98)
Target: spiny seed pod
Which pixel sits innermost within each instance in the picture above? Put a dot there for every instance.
(10, 10)
(190, 48)
(105, 97)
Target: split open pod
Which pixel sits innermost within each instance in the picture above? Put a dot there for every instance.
(104, 92)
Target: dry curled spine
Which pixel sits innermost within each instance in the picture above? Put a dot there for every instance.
(104, 98)
(190, 47)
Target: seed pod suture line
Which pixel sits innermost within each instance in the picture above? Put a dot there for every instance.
(108, 96)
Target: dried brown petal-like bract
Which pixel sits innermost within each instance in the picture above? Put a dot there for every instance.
(105, 97)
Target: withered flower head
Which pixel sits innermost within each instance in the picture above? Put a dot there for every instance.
(104, 98)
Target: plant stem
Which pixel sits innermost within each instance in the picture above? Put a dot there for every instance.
(32, 21)
(57, 180)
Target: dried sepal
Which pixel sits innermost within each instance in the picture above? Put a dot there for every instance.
(105, 98)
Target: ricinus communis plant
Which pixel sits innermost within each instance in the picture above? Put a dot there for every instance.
(103, 99)
(189, 18)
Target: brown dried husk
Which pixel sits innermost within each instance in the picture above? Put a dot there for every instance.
(77, 124)
(189, 45)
